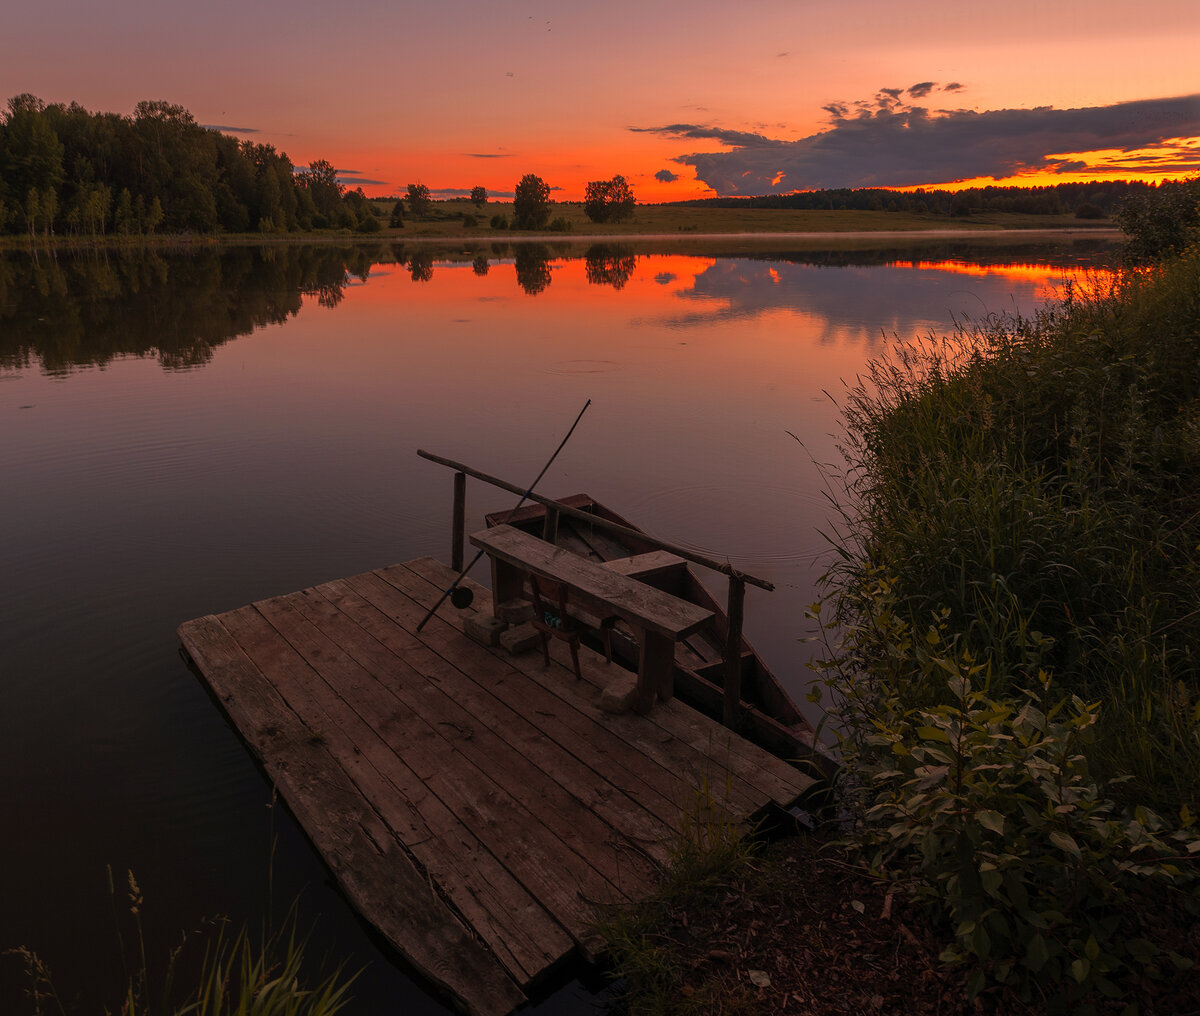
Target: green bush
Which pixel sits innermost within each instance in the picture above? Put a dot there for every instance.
(988, 810)
(1162, 221)
(1012, 612)
(499, 222)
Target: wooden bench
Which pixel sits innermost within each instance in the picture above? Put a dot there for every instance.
(659, 618)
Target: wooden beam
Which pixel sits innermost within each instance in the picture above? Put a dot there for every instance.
(689, 555)
(550, 526)
(513, 550)
(733, 654)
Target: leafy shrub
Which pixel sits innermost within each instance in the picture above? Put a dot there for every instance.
(1089, 211)
(499, 222)
(560, 225)
(368, 224)
(987, 807)
(469, 221)
(1013, 601)
(1162, 221)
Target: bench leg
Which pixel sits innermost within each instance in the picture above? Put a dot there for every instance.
(507, 582)
(656, 671)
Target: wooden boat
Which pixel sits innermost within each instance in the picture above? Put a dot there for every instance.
(769, 716)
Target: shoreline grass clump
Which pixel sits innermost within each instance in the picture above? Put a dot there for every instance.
(708, 856)
(236, 974)
(1015, 627)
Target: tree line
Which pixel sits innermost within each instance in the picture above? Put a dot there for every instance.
(67, 171)
(1093, 200)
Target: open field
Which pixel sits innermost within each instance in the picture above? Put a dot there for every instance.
(446, 219)
(697, 225)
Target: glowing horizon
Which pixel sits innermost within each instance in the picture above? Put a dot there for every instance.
(468, 94)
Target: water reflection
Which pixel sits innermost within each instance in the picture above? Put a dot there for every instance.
(85, 309)
(145, 494)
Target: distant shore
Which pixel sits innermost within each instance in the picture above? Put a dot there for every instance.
(452, 223)
(997, 232)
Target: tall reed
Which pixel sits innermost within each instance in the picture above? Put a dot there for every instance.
(1014, 626)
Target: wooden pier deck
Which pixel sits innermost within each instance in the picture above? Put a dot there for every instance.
(474, 806)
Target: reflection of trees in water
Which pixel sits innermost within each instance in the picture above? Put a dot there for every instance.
(75, 308)
(87, 308)
(609, 265)
(420, 266)
(532, 262)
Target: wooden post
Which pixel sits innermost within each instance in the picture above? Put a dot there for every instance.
(550, 526)
(508, 582)
(656, 671)
(460, 521)
(733, 654)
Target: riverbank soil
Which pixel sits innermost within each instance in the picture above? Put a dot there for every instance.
(802, 930)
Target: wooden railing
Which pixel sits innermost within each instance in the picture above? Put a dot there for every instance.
(738, 580)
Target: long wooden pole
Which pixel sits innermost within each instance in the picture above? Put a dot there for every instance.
(613, 527)
(524, 497)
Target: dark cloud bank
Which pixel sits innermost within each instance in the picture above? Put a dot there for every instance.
(887, 142)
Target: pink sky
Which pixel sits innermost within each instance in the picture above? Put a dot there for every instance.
(458, 94)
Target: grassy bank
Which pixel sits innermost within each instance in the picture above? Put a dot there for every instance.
(446, 220)
(1014, 629)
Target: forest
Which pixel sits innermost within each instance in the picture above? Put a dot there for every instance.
(1096, 199)
(68, 172)
(65, 170)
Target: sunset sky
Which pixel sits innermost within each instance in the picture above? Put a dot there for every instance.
(684, 100)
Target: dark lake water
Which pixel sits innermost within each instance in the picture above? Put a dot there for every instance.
(183, 433)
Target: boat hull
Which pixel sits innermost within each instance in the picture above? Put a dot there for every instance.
(769, 717)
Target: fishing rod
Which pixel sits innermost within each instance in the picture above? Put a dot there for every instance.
(462, 597)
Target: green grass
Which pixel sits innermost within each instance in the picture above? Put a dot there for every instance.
(1040, 480)
(1014, 626)
(709, 855)
(446, 220)
(221, 971)
(445, 223)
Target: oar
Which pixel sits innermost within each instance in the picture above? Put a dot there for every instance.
(453, 590)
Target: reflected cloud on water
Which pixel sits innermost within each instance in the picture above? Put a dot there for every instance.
(86, 308)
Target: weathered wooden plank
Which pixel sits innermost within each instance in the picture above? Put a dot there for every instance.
(575, 724)
(673, 769)
(595, 779)
(781, 782)
(638, 603)
(561, 879)
(523, 936)
(359, 849)
(643, 566)
(559, 792)
(686, 742)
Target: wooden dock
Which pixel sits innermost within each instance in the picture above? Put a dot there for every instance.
(474, 806)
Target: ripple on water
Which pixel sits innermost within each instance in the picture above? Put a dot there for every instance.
(582, 367)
